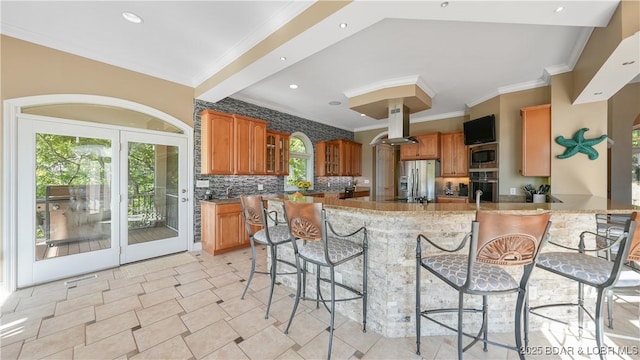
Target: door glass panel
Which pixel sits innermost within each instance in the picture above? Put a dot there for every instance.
(152, 192)
(73, 195)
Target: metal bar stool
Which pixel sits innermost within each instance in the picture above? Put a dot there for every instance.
(586, 269)
(497, 240)
(321, 245)
(256, 216)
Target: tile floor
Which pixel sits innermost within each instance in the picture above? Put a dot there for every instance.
(187, 306)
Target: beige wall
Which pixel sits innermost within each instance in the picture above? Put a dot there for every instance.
(624, 108)
(577, 174)
(511, 138)
(28, 69)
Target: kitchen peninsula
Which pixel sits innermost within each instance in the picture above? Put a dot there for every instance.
(392, 231)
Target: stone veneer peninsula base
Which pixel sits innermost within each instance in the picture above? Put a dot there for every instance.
(392, 231)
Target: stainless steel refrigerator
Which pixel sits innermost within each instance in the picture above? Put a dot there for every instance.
(417, 180)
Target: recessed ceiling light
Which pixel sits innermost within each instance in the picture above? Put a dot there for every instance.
(444, 4)
(363, 115)
(559, 9)
(283, 58)
(629, 62)
(293, 86)
(131, 17)
(334, 102)
(343, 25)
(597, 93)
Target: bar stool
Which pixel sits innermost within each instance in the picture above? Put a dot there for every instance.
(497, 240)
(586, 269)
(256, 216)
(323, 246)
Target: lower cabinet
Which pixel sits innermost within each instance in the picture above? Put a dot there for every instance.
(451, 199)
(223, 228)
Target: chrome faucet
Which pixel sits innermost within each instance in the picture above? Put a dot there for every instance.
(478, 195)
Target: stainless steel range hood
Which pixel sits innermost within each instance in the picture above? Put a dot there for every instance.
(398, 125)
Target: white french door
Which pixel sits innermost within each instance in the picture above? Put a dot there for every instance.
(155, 199)
(93, 196)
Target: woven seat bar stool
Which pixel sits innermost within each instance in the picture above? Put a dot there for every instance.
(316, 242)
(583, 266)
(497, 241)
(257, 217)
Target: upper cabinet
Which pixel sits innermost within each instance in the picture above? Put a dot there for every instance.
(232, 144)
(217, 143)
(427, 148)
(455, 156)
(277, 153)
(338, 158)
(536, 140)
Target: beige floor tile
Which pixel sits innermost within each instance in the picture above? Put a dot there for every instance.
(158, 332)
(190, 267)
(318, 346)
(279, 292)
(10, 351)
(290, 355)
(351, 333)
(66, 321)
(194, 287)
(158, 312)
(33, 313)
(42, 298)
(79, 302)
(111, 326)
(161, 274)
(267, 344)
(210, 339)
(191, 276)
(250, 322)
(159, 296)
(117, 307)
(64, 354)
(218, 269)
(229, 351)
(323, 314)
(400, 348)
(159, 284)
(304, 328)
(203, 317)
(19, 330)
(281, 309)
(88, 288)
(225, 279)
(123, 292)
(108, 348)
(174, 349)
(53, 343)
(236, 307)
(230, 291)
(10, 305)
(196, 301)
(124, 282)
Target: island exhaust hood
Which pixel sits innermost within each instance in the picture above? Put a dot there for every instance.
(398, 133)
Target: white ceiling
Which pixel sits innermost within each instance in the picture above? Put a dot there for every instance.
(461, 54)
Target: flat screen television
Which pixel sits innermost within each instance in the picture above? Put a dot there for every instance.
(480, 130)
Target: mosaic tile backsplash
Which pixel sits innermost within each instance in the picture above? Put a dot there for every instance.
(276, 121)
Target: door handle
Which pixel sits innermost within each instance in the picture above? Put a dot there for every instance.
(184, 191)
(184, 199)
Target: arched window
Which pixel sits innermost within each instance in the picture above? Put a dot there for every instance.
(300, 160)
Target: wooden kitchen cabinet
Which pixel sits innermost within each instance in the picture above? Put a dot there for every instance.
(232, 144)
(454, 155)
(451, 199)
(217, 143)
(427, 148)
(277, 153)
(536, 140)
(339, 157)
(222, 227)
(250, 146)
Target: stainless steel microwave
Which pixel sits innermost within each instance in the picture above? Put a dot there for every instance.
(483, 157)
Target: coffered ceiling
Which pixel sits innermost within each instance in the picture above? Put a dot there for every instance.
(460, 54)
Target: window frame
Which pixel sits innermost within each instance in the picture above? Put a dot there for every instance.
(309, 156)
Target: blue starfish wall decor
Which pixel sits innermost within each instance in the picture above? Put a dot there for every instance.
(579, 144)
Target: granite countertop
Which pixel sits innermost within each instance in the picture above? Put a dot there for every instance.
(566, 203)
